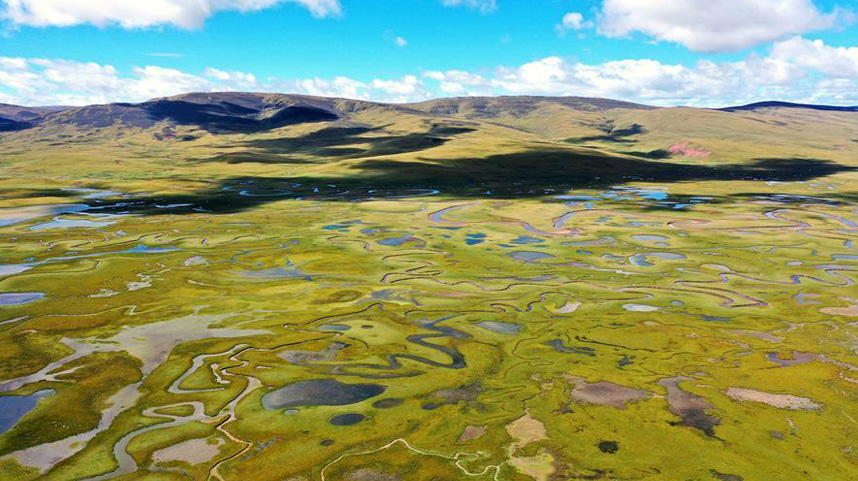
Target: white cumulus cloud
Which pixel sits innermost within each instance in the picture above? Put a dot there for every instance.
(343, 87)
(838, 62)
(574, 21)
(186, 14)
(65, 82)
(715, 25)
(796, 69)
(233, 77)
(460, 83)
(406, 89)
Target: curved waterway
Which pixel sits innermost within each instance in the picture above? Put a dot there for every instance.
(457, 360)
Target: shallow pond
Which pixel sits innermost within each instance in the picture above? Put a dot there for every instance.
(347, 419)
(640, 308)
(71, 224)
(474, 239)
(11, 216)
(561, 347)
(530, 256)
(11, 269)
(320, 392)
(334, 327)
(395, 241)
(16, 298)
(642, 260)
(526, 239)
(501, 327)
(650, 238)
(13, 408)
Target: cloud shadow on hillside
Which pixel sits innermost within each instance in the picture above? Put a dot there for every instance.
(527, 174)
(337, 143)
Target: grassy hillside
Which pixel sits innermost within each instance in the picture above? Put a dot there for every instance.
(441, 144)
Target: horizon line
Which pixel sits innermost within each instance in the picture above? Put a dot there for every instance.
(760, 103)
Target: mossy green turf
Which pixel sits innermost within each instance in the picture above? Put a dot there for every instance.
(767, 272)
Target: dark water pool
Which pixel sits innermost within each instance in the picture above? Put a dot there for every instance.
(347, 419)
(320, 392)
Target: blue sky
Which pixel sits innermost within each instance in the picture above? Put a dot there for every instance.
(287, 41)
(669, 52)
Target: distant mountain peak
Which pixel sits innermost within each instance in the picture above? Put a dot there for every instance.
(773, 104)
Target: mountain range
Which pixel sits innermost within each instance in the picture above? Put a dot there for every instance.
(226, 112)
(476, 143)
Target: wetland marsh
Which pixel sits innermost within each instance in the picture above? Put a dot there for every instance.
(194, 323)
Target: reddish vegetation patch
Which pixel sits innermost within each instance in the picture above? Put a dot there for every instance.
(690, 407)
(606, 393)
(685, 150)
(472, 432)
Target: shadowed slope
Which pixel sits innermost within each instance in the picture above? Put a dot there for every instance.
(789, 105)
(338, 142)
(221, 117)
(532, 173)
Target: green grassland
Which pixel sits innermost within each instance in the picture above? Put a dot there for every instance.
(541, 290)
